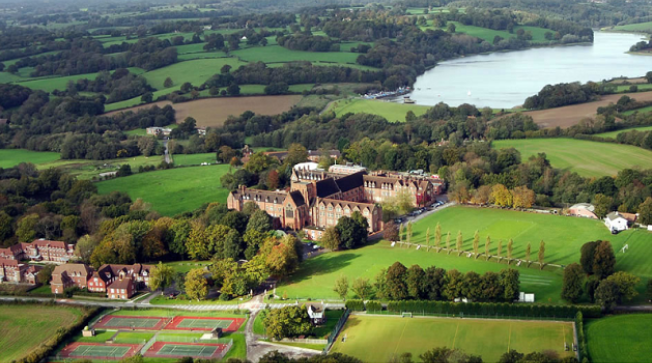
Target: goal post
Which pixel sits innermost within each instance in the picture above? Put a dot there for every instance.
(406, 315)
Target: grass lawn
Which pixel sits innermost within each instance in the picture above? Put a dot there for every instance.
(173, 191)
(279, 54)
(26, 327)
(185, 266)
(613, 134)
(87, 169)
(637, 261)
(378, 339)
(194, 159)
(563, 236)
(538, 34)
(101, 336)
(392, 111)
(133, 337)
(639, 110)
(12, 157)
(579, 155)
(640, 27)
(259, 326)
(623, 338)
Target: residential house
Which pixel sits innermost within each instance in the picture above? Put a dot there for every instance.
(119, 281)
(616, 222)
(70, 275)
(316, 314)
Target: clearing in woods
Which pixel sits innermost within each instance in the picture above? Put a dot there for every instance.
(27, 327)
(567, 116)
(623, 338)
(212, 112)
(579, 155)
(380, 338)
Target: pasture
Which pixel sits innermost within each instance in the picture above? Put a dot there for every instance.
(88, 169)
(639, 110)
(567, 116)
(613, 134)
(279, 54)
(195, 71)
(622, 338)
(211, 112)
(12, 157)
(580, 155)
(639, 27)
(194, 159)
(172, 191)
(392, 111)
(380, 338)
(26, 327)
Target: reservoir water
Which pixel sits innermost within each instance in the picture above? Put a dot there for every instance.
(505, 80)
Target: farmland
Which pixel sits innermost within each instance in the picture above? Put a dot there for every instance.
(638, 27)
(624, 338)
(378, 339)
(579, 156)
(214, 111)
(26, 327)
(392, 111)
(639, 110)
(172, 191)
(12, 157)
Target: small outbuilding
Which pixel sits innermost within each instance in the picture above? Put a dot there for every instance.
(584, 210)
(616, 222)
(317, 316)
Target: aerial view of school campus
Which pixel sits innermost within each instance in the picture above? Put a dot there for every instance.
(325, 181)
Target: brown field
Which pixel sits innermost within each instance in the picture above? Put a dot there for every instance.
(570, 115)
(211, 112)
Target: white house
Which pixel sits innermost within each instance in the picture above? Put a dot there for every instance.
(615, 222)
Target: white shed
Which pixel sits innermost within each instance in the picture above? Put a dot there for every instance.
(615, 222)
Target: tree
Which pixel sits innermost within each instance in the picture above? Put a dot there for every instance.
(289, 321)
(85, 246)
(196, 286)
(476, 244)
(362, 288)
(26, 227)
(604, 262)
(186, 87)
(260, 221)
(523, 197)
(272, 180)
(451, 27)
(541, 255)
(331, 239)
(415, 278)
(571, 290)
(233, 89)
(645, 212)
(147, 97)
(197, 244)
(409, 232)
(410, 116)
(626, 283)
(161, 277)
(45, 275)
(648, 290)
(282, 258)
(511, 284)
(528, 250)
(455, 285)
(6, 230)
(459, 243)
(352, 233)
(587, 255)
(448, 242)
(226, 69)
(648, 77)
(168, 82)
(437, 236)
(499, 252)
(400, 232)
(391, 231)
(341, 287)
(125, 170)
(510, 250)
(512, 356)
(487, 246)
(501, 196)
(602, 205)
(606, 295)
(380, 284)
(395, 282)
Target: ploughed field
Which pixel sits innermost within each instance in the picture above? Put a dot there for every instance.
(380, 338)
(172, 191)
(587, 158)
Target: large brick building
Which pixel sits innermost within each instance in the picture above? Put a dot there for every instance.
(13, 271)
(40, 250)
(116, 281)
(318, 198)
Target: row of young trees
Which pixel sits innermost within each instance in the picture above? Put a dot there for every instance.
(401, 283)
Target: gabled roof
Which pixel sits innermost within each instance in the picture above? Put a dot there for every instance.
(350, 182)
(614, 216)
(297, 198)
(326, 187)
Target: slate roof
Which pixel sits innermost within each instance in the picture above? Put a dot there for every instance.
(297, 198)
(326, 187)
(350, 182)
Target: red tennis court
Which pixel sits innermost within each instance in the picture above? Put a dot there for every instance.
(99, 350)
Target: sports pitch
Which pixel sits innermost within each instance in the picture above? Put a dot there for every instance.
(622, 338)
(205, 323)
(128, 322)
(99, 350)
(173, 350)
(379, 338)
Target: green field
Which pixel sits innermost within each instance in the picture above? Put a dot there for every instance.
(12, 157)
(538, 34)
(613, 134)
(194, 71)
(639, 110)
(392, 111)
(49, 84)
(640, 27)
(194, 159)
(26, 327)
(173, 191)
(279, 54)
(624, 338)
(580, 155)
(379, 338)
(563, 236)
(88, 169)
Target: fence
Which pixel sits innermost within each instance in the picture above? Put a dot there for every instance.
(336, 331)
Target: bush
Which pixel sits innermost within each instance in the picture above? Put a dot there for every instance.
(355, 305)
(373, 305)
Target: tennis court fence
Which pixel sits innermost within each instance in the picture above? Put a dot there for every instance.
(336, 330)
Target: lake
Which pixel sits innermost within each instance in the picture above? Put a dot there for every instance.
(505, 80)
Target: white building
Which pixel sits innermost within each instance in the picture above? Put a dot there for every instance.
(615, 222)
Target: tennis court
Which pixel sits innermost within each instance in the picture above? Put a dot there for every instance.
(178, 350)
(205, 323)
(99, 350)
(130, 322)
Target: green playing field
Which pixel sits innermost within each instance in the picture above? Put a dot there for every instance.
(378, 338)
(187, 350)
(204, 323)
(99, 351)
